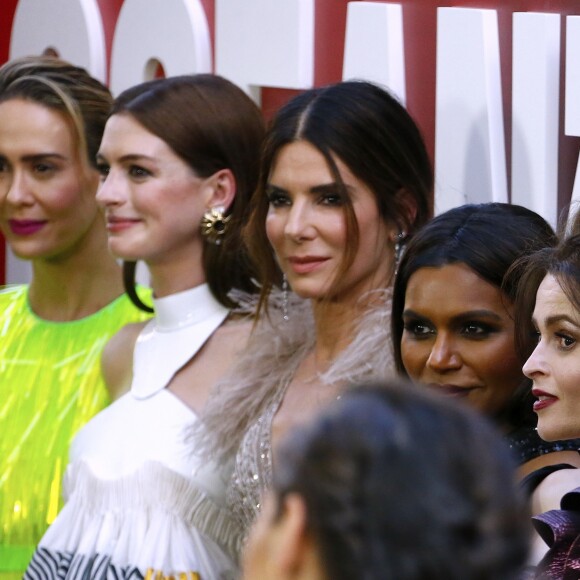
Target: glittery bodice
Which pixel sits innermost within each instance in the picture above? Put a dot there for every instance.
(253, 467)
(268, 371)
(50, 386)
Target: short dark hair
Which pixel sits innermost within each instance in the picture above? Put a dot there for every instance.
(211, 124)
(69, 89)
(366, 128)
(402, 485)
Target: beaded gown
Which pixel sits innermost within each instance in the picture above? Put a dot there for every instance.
(140, 503)
(257, 384)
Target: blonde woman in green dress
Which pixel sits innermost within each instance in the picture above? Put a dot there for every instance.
(52, 116)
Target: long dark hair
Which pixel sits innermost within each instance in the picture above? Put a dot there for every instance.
(488, 238)
(211, 124)
(366, 128)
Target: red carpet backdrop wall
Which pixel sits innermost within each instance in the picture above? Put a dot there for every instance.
(494, 85)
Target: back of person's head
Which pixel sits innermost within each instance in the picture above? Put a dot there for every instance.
(488, 238)
(211, 124)
(59, 85)
(401, 485)
(367, 129)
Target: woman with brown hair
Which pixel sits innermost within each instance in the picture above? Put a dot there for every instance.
(178, 160)
(52, 117)
(345, 176)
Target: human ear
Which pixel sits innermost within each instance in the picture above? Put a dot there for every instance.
(222, 189)
(408, 209)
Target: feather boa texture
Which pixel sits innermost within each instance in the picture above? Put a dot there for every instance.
(274, 352)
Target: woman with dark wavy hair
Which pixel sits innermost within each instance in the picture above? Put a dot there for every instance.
(391, 483)
(345, 177)
(453, 326)
(548, 323)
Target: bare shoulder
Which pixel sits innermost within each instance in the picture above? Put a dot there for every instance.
(117, 359)
(548, 495)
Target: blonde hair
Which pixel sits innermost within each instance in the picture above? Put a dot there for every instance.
(61, 86)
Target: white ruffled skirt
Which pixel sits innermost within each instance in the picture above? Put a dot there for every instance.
(152, 524)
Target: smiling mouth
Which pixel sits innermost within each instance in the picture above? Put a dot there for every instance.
(118, 224)
(306, 264)
(451, 390)
(25, 227)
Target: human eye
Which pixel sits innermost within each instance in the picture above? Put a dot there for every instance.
(332, 199)
(418, 329)
(138, 172)
(477, 330)
(3, 165)
(277, 198)
(43, 169)
(565, 341)
(103, 169)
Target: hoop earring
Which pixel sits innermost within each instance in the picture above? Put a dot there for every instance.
(285, 316)
(214, 224)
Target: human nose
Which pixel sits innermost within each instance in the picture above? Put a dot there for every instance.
(536, 363)
(110, 191)
(444, 355)
(298, 224)
(19, 192)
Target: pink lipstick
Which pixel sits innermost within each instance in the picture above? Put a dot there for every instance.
(25, 227)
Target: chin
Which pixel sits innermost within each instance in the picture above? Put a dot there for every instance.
(558, 432)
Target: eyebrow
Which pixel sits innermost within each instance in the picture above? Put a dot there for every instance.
(127, 158)
(552, 320)
(40, 157)
(322, 188)
(470, 314)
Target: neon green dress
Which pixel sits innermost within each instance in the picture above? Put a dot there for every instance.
(50, 385)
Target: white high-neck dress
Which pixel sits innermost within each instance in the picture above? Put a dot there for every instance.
(140, 504)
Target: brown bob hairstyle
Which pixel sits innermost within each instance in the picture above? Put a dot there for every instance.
(366, 128)
(211, 124)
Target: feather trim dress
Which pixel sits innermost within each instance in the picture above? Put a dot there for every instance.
(239, 417)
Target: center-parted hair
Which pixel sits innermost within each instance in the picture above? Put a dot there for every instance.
(211, 124)
(366, 128)
(488, 238)
(400, 484)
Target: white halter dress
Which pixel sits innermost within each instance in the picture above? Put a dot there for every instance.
(139, 503)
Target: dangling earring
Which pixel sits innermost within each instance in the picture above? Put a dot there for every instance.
(285, 316)
(399, 247)
(214, 224)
